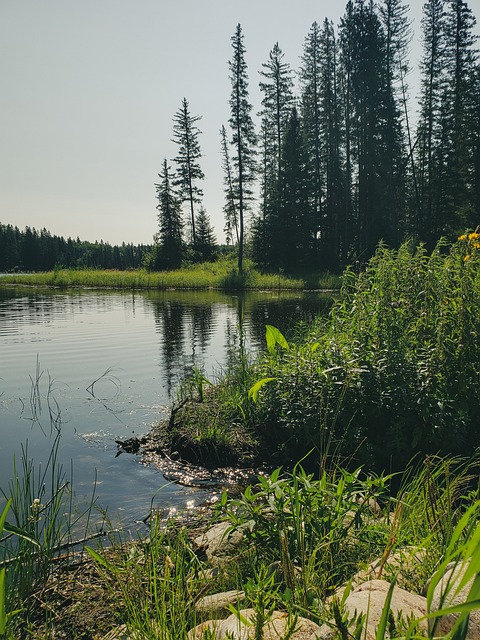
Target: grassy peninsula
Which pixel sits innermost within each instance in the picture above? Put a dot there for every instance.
(221, 274)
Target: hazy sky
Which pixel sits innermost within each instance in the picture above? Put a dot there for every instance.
(89, 89)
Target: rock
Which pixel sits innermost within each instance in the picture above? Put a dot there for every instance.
(369, 599)
(216, 606)
(274, 629)
(451, 581)
(400, 565)
(219, 544)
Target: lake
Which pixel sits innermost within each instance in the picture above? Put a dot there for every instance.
(105, 365)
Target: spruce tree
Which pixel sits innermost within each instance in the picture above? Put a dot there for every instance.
(243, 138)
(429, 131)
(277, 90)
(189, 172)
(206, 243)
(310, 83)
(230, 208)
(293, 229)
(171, 246)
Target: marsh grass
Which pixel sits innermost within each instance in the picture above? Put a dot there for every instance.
(218, 275)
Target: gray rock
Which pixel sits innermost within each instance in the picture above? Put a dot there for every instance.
(219, 544)
(369, 599)
(274, 629)
(216, 605)
(451, 582)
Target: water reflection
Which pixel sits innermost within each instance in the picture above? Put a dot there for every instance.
(147, 341)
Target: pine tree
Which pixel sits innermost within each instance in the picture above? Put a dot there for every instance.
(293, 228)
(331, 108)
(459, 112)
(185, 135)
(243, 137)
(371, 131)
(171, 247)
(310, 82)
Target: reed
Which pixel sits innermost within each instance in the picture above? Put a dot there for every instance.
(218, 275)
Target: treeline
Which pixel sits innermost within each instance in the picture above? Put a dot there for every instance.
(339, 162)
(32, 250)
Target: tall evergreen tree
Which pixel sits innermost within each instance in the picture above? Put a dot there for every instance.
(292, 226)
(277, 90)
(429, 145)
(310, 82)
(243, 137)
(171, 245)
(331, 109)
(230, 208)
(369, 125)
(189, 172)
(459, 112)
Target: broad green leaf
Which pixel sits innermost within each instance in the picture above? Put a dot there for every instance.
(273, 336)
(253, 392)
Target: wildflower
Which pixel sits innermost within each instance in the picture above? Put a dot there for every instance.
(462, 237)
(476, 245)
(473, 236)
(467, 257)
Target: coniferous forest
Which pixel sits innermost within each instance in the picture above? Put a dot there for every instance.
(33, 250)
(340, 156)
(345, 156)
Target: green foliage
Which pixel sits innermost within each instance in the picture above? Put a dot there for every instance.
(315, 527)
(393, 373)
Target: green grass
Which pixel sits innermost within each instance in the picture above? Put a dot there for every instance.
(219, 275)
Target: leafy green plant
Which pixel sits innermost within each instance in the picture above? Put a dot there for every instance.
(305, 523)
(5, 615)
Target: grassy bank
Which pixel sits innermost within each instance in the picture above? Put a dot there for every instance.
(303, 538)
(392, 373)
(220, 275)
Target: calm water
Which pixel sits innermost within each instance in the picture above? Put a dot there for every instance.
(106, 366)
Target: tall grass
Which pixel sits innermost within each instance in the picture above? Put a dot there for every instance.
(220, 275)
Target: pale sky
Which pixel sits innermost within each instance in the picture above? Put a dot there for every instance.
(89, 89)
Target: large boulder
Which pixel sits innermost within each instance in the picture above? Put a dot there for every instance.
(369, 599)
(448, 593)
(242, 627)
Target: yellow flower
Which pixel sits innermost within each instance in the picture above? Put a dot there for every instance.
(473, 236)
(467, 257)
(476, 245)
(463, 237)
